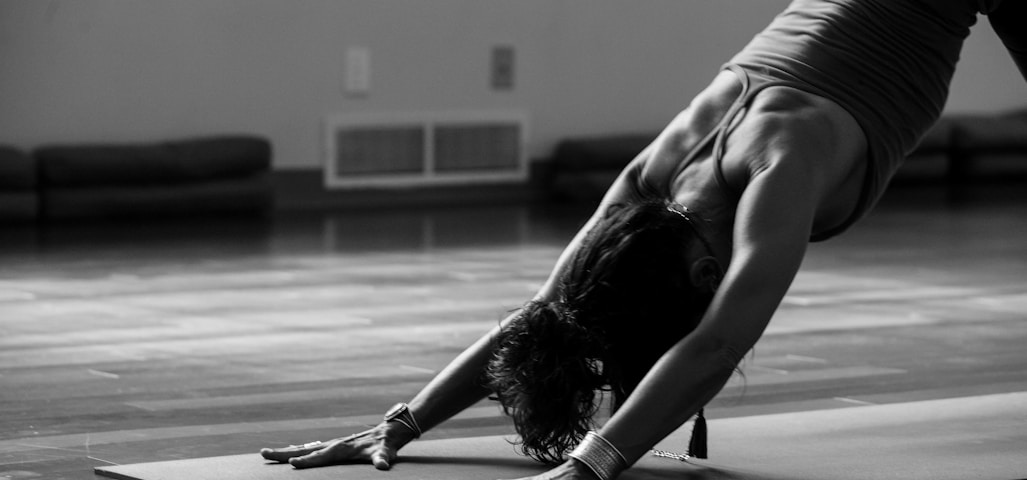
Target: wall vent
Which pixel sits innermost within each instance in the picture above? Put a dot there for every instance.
(411, 149)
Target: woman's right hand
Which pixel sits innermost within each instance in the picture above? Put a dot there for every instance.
(377, 446)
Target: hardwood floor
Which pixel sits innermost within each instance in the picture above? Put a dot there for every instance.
(125, 343)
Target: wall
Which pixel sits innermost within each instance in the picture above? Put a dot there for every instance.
(119, 70)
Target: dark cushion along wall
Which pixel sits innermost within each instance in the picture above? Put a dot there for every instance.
(583, 168)
(18, 182)
(225, 174)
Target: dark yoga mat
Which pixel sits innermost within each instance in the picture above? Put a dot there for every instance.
(981, 437)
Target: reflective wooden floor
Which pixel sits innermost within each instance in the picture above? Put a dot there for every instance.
(142, 342)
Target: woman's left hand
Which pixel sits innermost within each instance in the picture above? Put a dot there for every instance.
(569, 470)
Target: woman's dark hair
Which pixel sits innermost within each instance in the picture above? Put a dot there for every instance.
(624, 299)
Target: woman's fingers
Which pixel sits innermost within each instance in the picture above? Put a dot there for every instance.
(358, 447)
(284, 454)
(318, 458)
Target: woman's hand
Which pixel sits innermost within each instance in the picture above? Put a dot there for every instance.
(569, 470)
(377, 446)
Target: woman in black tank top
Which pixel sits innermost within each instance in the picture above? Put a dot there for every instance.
(657, 303)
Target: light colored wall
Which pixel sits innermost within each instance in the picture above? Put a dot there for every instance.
(120, 70)
(986, 78)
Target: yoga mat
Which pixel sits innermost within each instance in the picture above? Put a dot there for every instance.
(982, 437)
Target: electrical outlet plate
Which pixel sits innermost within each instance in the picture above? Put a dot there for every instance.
(502, 67)
(358, 71)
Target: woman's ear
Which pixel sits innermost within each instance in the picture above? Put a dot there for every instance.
(705, 274)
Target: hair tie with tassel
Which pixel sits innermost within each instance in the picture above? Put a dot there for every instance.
(697, 446)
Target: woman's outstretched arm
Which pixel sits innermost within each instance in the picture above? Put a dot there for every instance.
(459, 386)
(772, 228)
(773, 221)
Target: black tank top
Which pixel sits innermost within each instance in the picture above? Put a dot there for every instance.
(752, 84)
(887, 62)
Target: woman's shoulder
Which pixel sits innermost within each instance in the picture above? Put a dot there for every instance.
(685, 139)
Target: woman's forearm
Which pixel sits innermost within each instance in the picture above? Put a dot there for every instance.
(772, 224)
(456, 388)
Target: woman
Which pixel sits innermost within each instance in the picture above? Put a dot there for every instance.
(792, 142)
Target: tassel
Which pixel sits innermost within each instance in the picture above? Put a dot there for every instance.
(697, 446)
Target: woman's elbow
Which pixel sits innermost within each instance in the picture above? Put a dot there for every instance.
(721, 355)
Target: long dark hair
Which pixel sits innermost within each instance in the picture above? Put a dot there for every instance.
(624, 299)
